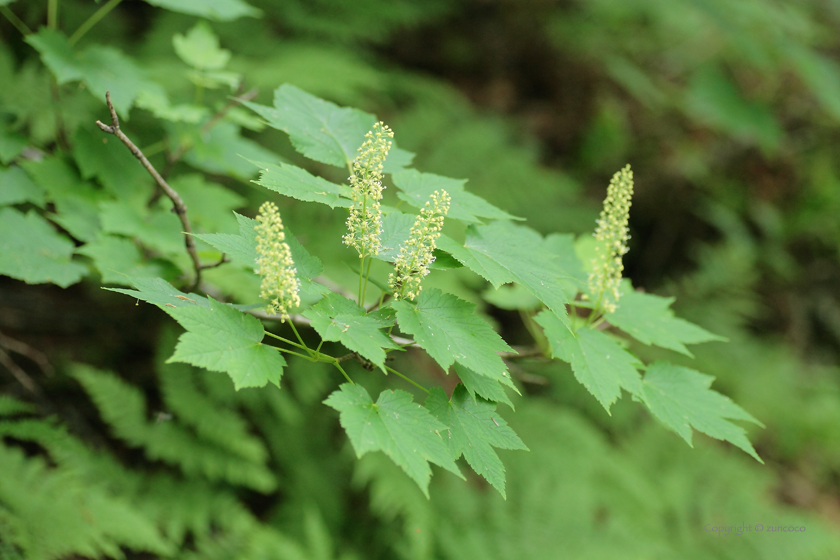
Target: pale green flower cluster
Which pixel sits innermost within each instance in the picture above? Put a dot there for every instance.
(417, 253)
(612, 234)
(274, 264)
(364, 225)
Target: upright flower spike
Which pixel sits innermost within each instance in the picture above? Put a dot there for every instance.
(364, 226)
(280, 284)
(417, 253)
(612, 234)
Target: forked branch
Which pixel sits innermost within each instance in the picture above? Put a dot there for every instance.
(178, 205)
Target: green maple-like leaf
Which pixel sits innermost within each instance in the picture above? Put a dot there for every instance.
(158, 291)
(18, 188)
(474, 430)
(485, 387)
(599, 363)
(117, 257)
(224, 151)
(396, 229)
(323, 131)
(503, 252)
(649, 319)
(111, 163)
(155, 228)
(397, 426)
(100, 68)
(31, 250)
(450, 331)
(338, 319)
(221, 338)
(681, 398)
(416, 188)
(299, 184)
(210, 205)
(223, 10)
(76, 201)
(12, 144)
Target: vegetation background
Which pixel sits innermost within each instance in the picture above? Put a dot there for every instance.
(729, 113)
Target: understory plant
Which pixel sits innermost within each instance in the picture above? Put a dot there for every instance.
(583, 311)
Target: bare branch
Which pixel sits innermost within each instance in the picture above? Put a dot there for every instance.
(18, 372)
(178, 205)
(24, 349)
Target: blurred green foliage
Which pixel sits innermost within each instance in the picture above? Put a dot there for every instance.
(728, 113)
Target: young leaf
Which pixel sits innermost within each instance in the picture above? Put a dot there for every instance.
(648, 318)
(402, 429)
(298, 183)
(31, 250)
(599, 363)
(474, 430)
(503, 252)
(321, 130)
(681, 399)
(200, 48)
(489, 389)
(336, 318)
(220, 338)
(450, 331)
(416, 188)
(222, 10)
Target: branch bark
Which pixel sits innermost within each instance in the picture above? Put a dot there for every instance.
(178, 205)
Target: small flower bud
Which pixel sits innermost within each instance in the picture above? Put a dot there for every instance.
(274, 263)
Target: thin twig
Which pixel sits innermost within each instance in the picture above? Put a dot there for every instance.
(24, 349)
(178, 205)
(222, 261)
(232, 102)
(19, 374)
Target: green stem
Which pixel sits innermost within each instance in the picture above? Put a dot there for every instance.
(361, 275)
(341, 369)
(392, 370)
(52, 14)
(154, 149)
(280, 338)
(318, 350)
(293, 353)
(93, 20)
(302, 343)
(16, 21)
(367, 275)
